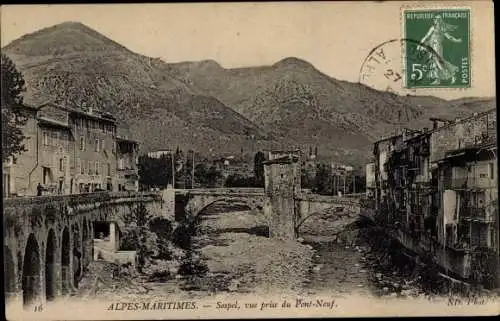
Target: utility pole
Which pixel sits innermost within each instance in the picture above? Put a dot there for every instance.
(192, 173)
(333, 182)
(173, 170)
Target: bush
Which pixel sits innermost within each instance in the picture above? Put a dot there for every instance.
(183, 234)
(192, 266)
(159, 276)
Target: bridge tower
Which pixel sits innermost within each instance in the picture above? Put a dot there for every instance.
(282, 181)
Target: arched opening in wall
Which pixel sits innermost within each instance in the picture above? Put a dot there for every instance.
(233, 215)
(9, 276)
(65, 259)
(331, 224)
(50, 266)
(77, 255)
(101, 230)
(87, 244)
(31, 286)
(101, 239)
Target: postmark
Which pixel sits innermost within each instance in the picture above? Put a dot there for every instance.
(383, 69)
(443, 35)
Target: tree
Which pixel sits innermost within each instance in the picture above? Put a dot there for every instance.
(258, 168)
(155, 172)
(137, 234)
(322, 183)
(238, 180)
(12, 117)
(180, 171)
(213, 176)
(188, 169)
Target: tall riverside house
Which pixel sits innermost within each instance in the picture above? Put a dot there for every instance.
(438, 189)
(69, 151)
(95, 151)
(127, 178)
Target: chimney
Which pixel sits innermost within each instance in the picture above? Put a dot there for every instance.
(426, 129)
(90, 109)
(434, 124)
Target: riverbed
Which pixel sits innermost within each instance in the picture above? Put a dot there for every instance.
(232, 245)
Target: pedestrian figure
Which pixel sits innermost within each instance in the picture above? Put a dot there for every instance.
(39, 189)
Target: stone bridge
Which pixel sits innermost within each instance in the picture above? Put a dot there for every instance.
(192, 202)
(48, 241)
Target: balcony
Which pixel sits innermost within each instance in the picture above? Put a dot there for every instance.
(476, 215)
(458, 183)
(126, 171)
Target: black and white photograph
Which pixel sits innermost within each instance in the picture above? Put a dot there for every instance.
(249, 160)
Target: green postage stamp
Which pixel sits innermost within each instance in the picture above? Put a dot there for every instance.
(437, 48)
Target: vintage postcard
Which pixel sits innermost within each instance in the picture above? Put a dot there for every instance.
(249, 160)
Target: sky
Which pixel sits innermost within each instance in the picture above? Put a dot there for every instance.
(335, 37)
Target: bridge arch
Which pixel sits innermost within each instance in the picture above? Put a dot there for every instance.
(31, 280)
(195, 207)
(51, 266)
(87, 243)
(65, 261)
(323, 213)
(77, 254)
(9, 276)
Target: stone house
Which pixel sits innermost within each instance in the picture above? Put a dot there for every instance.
(69, 151)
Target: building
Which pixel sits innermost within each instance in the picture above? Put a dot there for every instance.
(94, 150)
(277, 173)
(19, 172)
(127, 176)
(159, 153)
(438, 190)
(370, 179)
(69, 151)
(282, 182)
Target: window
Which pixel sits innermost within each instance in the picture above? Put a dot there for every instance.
(108, 172)
(102, 145)
(491, 170)
(90, 168)
(45, 138)
(491, 238)
(97, 168)
(45, 175)
(82, 143)
(97, 145)
(54, 138)
(61, 164)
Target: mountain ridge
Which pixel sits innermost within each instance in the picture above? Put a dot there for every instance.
(204, 106)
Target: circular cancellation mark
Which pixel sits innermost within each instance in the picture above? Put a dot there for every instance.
(384, 67)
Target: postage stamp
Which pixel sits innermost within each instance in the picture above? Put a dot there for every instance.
(442, 37)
